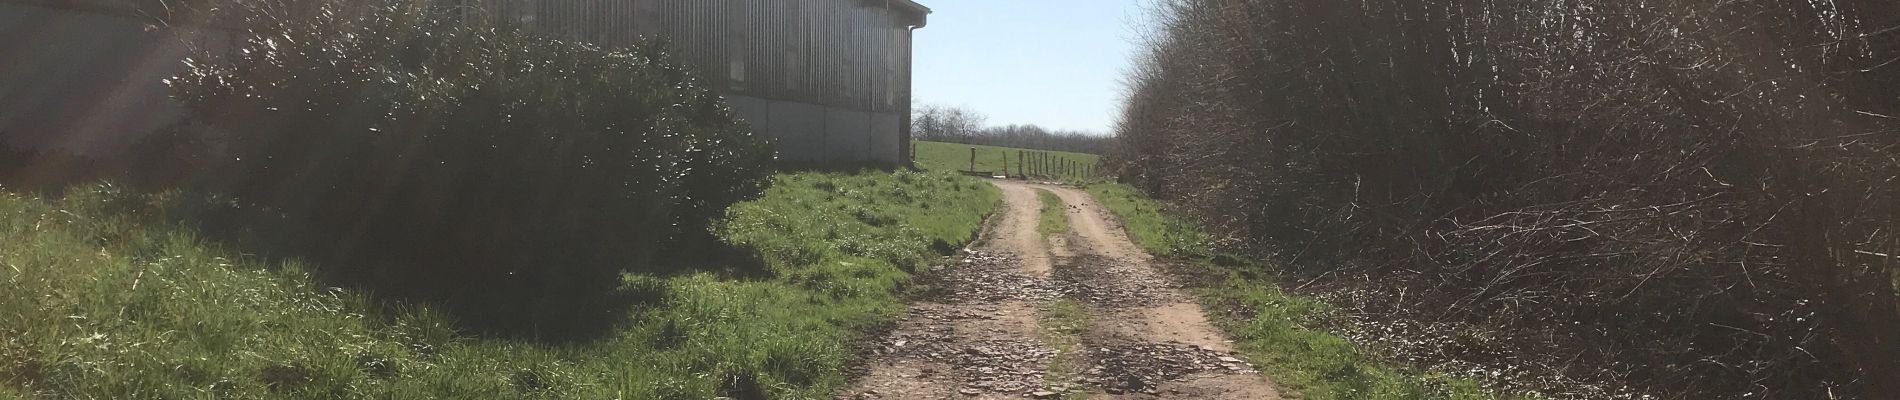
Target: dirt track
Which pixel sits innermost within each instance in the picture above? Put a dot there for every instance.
(981, 334)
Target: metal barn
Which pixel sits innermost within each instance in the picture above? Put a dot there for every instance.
(829, 78)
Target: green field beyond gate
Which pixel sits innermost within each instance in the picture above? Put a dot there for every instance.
(1014, 162)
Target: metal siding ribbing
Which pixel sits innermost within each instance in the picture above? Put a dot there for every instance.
(831, 72)
(842, 54)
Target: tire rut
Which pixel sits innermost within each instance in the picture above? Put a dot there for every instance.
(976, 335)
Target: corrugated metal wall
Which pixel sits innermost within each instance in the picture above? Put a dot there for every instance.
(832, 75)
(842, 53)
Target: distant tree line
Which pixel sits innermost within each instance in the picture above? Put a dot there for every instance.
(1692, 198)
(937, 123)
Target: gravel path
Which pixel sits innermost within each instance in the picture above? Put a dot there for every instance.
(978, 336)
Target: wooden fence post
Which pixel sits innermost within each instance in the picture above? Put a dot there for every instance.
(972, 159)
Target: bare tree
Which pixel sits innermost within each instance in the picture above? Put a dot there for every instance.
(1690, 197)
(939, 123)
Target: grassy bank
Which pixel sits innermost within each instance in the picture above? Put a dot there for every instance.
(107, 298)
(952, 157)
(1273, 327)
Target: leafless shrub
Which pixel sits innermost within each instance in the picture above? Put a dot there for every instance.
(1699, 193)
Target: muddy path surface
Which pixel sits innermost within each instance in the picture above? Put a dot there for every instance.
(993, 325)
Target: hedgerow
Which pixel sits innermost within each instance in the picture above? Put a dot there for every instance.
(1687, 198)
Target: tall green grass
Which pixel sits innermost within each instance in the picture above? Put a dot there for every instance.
(105, 297)
(952, 157)
(1274, 328)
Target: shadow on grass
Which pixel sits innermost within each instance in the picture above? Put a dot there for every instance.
(508, 296)
(501, 297)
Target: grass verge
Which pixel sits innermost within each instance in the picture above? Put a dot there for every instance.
(952, 157)
(1062, 323)
(1270, 325)
(1055, 216)
(106, 297)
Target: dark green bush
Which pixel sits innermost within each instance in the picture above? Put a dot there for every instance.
(448, 158)
(12, 159)
(46, 170)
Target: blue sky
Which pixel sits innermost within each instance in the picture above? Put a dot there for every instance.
(1054, 63)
